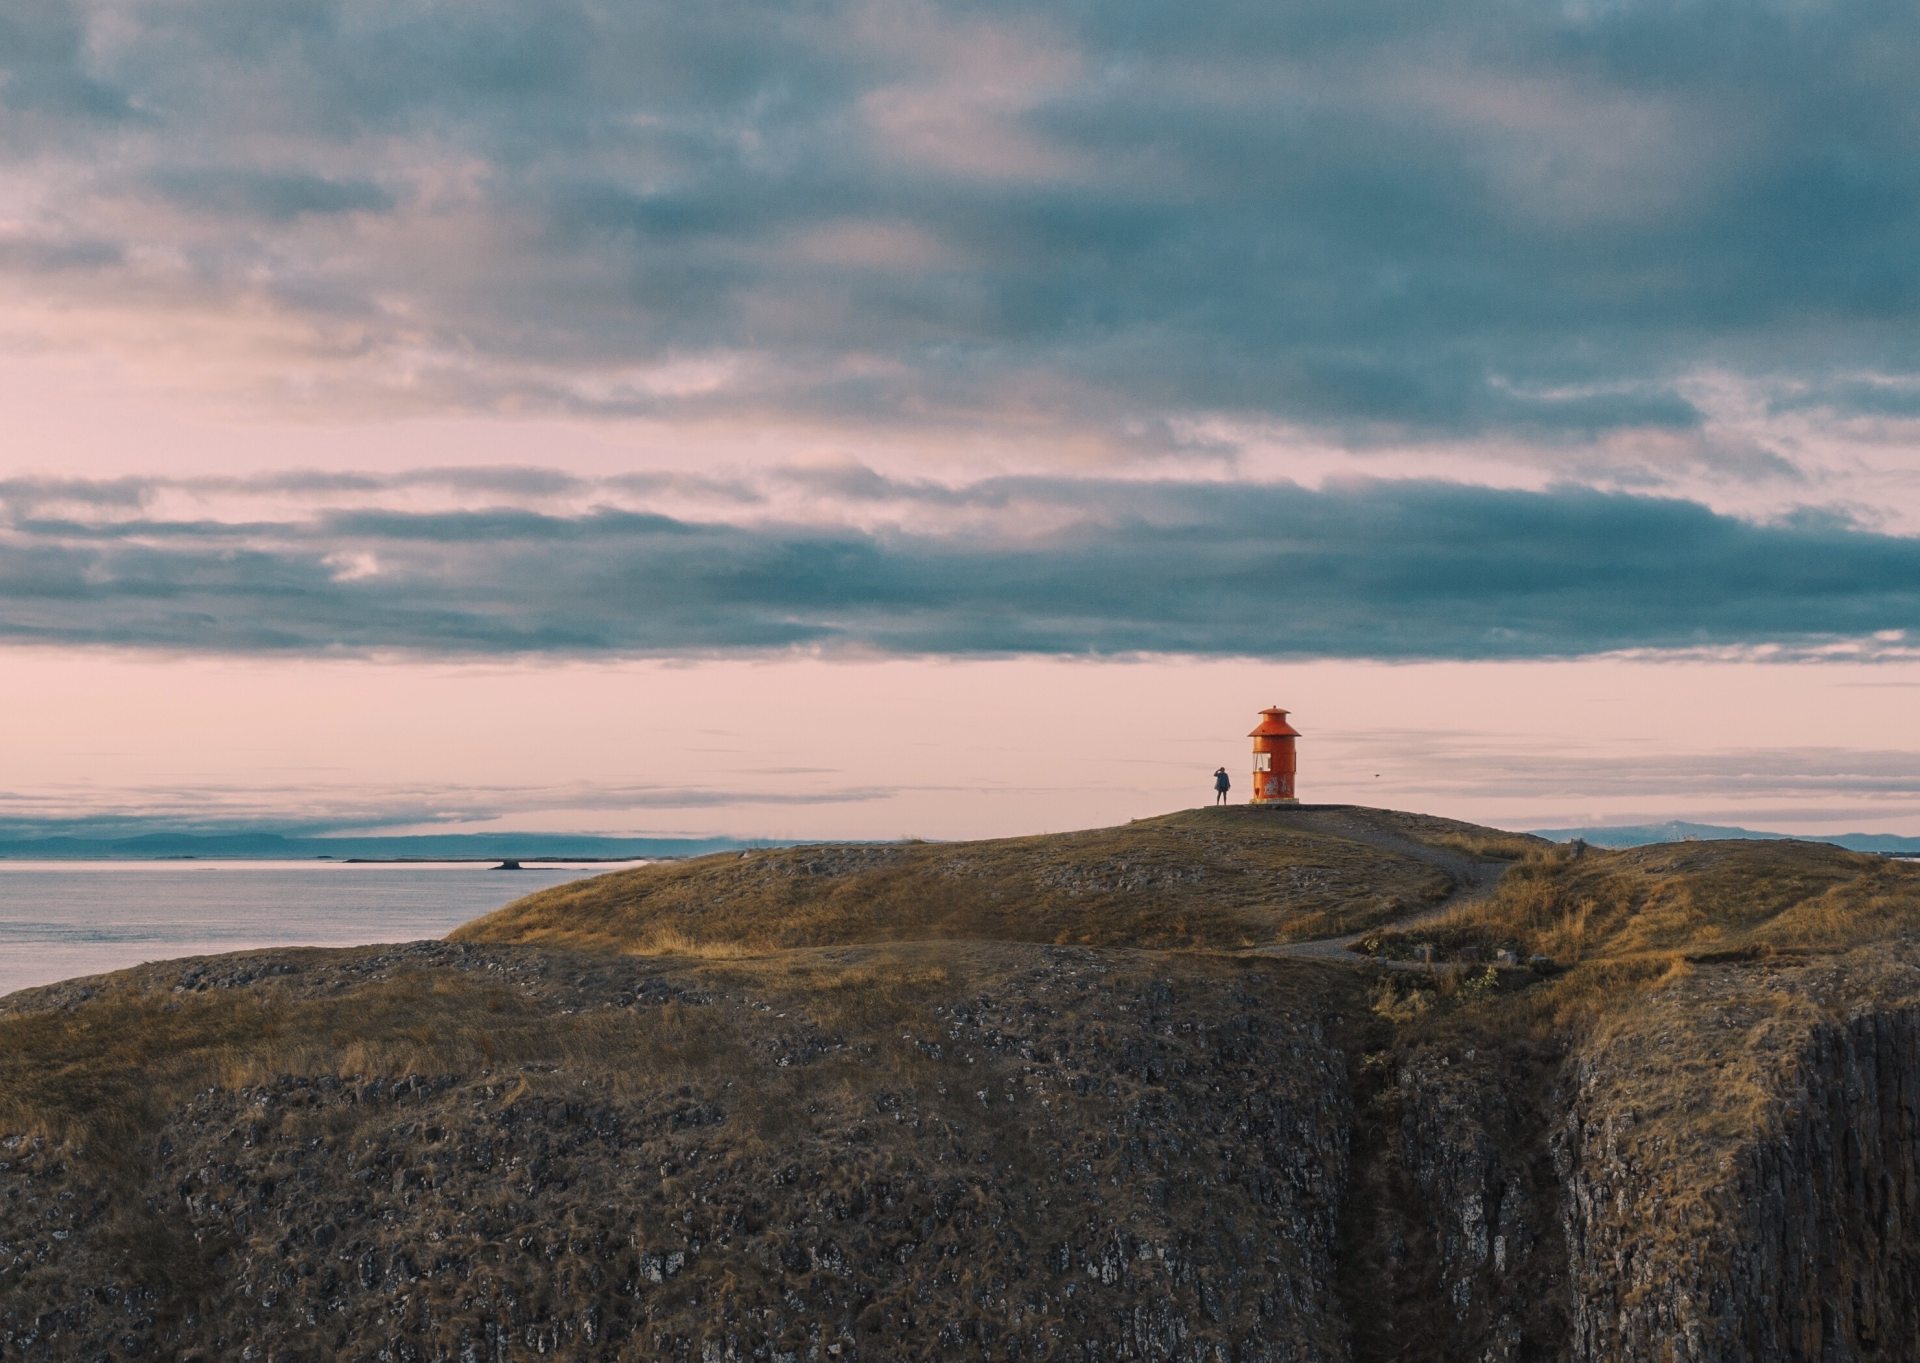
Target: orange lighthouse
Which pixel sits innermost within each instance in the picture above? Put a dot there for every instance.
(1273, 759)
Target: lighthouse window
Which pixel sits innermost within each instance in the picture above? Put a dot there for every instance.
(1263, 761)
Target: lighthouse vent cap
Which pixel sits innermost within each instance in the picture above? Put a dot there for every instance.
(1273, 724)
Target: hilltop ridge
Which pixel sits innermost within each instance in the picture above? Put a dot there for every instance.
(1237, 876)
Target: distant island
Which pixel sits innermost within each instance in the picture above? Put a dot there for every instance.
(1677, 830)
(369, 847)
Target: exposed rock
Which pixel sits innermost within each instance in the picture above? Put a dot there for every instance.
(1789, 1230)
(1068, 1154)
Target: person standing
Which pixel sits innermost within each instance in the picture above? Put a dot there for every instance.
(1221, 785)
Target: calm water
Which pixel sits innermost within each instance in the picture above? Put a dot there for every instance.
(59, 919)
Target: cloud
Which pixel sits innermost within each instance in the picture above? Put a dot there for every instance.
(1526, 223)
(52, 255)
(238, 194)
(1500, 768)
(1566, 783)
(48, 81)
(1029, 565)
(307, 811)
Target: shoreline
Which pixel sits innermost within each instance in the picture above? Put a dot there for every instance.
(179, 859)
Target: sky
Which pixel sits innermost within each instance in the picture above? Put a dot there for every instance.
(901, 419)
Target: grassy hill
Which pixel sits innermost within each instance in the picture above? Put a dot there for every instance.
(1029, 1098)
(1684, 901)
(1220, 878)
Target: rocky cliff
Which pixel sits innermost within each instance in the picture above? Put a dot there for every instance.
(1023, 1153)
(1686, 1131)
(1772, 1218)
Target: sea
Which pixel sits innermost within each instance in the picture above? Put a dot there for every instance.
(59, 919)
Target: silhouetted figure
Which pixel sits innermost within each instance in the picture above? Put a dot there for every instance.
(1221, 785)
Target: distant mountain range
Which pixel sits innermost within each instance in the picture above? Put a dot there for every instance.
(253, 846)
(1640, 835)
(265, 846)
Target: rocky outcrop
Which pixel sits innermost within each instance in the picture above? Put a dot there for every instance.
(1728, 1171)
(1057, 1154)
(1042, 1153)
(1453, 1250)
(1799, 1243)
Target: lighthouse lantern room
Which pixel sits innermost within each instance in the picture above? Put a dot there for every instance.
(1273, 758)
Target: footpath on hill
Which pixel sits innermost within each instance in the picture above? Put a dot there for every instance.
(1473, 879)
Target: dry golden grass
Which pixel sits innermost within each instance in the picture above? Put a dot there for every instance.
(1700, 901)
(101, 1078)
(1221, 879)
(1627, 934)
(1489, 844)
(1686, 964)
(103, 1073)
(842, 1097)
(1688, 977)
(843, 991)
(1357, 915)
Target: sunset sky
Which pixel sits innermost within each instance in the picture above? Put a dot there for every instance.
(895, 419)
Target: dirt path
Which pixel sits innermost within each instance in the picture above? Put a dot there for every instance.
(1472, 880)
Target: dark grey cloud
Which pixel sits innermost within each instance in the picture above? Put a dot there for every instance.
(1856, 397)
(1396, 221)
(54, 255)
(214, 808)
(43, 52)
(29, 494)
(1055, 566)
(1497, 767)
(239, 194)
(1777, 786)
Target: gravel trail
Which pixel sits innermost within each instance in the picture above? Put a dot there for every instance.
(1472, 880)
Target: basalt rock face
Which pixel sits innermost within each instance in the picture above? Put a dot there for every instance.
(1453, 1246)
(1728, 1172)
(1032, 1153)
(1026, 1153)
(1795, 1241)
